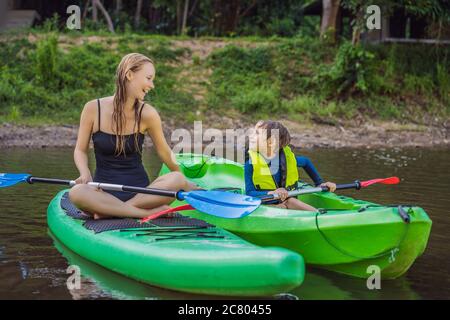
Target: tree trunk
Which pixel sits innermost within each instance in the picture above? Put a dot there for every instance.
(185, 13)
(329, 19)
(191, 12)
(359, 17)
(137, 14)
(154, 16)
(237, 10)
(118, 6)
(238, 14)
(178, 16)
(3, 12)
(356, 36)
(247, 10)
(86, 7)
(94, 12)
(226, 15)
(215, 25)
(397, 24)
(99, 5)
(231, 18)
(151, 16)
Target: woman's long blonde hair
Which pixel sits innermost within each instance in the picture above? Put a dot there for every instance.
(131, 62)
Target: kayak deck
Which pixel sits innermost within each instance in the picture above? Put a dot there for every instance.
(347, 236)
(217, 263)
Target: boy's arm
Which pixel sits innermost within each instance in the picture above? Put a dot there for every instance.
(308, 166)
(249, 186)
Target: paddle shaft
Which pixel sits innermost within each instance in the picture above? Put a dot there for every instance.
(111, 187)
(216, 203)
(293, 193)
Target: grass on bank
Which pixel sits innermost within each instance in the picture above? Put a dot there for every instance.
(47, 77)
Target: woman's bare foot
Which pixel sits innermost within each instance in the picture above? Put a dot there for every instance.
(150, 212)
(99, 216)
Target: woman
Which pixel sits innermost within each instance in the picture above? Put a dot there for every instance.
(118, 125)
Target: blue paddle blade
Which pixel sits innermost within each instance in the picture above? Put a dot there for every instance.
(10, 179)
(221, 204)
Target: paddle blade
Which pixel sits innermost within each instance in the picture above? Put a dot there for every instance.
(10, 179)
(222, 204)
(390, 180)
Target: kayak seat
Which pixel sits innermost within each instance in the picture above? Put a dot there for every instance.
(109, 224)
(71, 210)
(101, 225)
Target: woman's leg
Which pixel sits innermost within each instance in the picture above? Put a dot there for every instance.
(295, 204)
(101, 204)
(170, 181)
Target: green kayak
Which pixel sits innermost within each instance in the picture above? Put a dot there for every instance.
(347, 236)
(179, 253)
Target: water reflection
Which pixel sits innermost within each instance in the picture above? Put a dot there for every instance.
(98, 282)
(33, 265)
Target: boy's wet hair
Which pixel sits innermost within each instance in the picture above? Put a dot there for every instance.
(270, 126)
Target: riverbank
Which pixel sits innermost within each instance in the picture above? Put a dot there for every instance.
(368, 135)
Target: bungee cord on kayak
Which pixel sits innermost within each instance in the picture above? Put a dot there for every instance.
(388, 252)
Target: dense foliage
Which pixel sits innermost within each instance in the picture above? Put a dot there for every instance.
(47, 77)
(50, 81)
(229, 17)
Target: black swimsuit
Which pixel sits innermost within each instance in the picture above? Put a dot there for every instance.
(119, 169)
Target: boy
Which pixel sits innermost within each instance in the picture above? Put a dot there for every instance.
(272, 168)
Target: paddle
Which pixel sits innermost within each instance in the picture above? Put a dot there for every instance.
(167, 211)
(217, 203)
(354, 185)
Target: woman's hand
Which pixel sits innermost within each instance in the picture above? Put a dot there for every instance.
(331, 186)
(193, 186)
(281, 192)
(83, 179)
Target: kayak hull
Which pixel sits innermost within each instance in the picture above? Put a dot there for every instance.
(348, 237)
(226, 266)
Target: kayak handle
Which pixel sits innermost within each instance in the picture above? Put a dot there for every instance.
(403, 214)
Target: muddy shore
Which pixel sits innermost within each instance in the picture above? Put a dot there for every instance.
(303, 136)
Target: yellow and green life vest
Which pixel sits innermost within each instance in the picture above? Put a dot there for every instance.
(262, 177)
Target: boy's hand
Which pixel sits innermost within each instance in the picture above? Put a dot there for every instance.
(331, 186)
(281, 192)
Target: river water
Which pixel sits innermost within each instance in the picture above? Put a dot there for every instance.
(33, 264)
